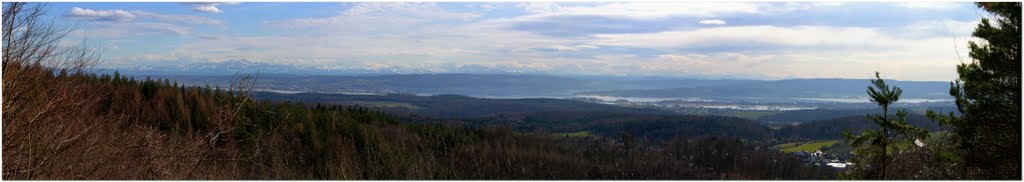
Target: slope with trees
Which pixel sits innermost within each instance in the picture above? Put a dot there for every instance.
(983, 138)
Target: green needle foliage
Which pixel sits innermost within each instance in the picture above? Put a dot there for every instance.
(987, 134)
(873, 147)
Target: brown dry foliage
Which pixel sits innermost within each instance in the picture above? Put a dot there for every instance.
(59, 125)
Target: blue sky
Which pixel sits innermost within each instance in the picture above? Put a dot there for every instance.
(908, 41)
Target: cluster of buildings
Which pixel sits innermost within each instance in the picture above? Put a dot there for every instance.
(819, 158)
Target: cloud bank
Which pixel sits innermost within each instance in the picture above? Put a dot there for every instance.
(760, 40)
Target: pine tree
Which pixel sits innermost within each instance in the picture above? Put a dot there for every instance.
(873, 147)
(987, 94)
(117, 77)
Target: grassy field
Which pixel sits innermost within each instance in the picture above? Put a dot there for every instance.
(387, 105)
(574, 135)
(809, 147)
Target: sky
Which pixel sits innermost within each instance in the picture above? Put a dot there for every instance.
(906, 41)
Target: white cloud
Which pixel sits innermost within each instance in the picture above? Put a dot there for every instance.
(565, 48)
(181, 19)
(930, 5)
(655, 10)
(118, 15)
(932, 28)
(405, 10)
(136, 29)
(208, 7)
(848, 64)
(364, 17)
(724, 64)
(425, 37)
(389, 34)
(833, 3)
(801, 51)
(149, 58)
(487, 7)
(123, 23)
(741, 36)
(712, 22)
(77, 13)
(539, 7)
(163, 28)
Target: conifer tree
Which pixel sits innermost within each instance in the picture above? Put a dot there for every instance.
(987, 94)
(873, 147)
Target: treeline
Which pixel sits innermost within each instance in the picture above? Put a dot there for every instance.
(645, 126)
(832, 128)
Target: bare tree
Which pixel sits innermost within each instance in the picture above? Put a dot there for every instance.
(29, 38)
(34, 98)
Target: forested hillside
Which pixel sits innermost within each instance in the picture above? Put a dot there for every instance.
(83, 126)
(832, 128)
(455, 106)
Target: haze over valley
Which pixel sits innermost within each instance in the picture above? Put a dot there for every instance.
(683, 95)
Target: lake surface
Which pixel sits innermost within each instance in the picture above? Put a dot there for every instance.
(755, 107)
(295, 92)
(643, 99)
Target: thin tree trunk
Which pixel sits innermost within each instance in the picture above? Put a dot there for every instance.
(885, 142)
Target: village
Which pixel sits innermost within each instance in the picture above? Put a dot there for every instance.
(819, 158)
